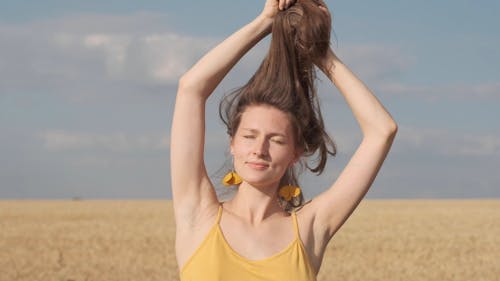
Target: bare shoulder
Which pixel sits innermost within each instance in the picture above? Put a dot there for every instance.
(307, 218)
(192, 226)
(191, 213)
(314, 237)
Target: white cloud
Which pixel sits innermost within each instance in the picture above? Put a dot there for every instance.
(160, 57)
(89, 54)
(114, 48)
(375, 62)
(446, 142)
(382, 65)
(485, 91)
(480, 145)
(60, 140)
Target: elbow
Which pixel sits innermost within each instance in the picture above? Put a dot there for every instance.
(385, 132)
(185, 82)
(189, 84)
(392, 129)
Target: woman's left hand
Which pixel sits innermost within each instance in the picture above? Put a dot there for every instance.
(272, 7)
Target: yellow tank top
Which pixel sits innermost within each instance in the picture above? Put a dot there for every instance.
(215, 260)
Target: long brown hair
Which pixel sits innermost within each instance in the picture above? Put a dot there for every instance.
(285, 80)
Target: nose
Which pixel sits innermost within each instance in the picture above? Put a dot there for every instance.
(261, 147)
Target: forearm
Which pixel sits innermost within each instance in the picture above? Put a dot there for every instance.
(372, 117)
(209, 71)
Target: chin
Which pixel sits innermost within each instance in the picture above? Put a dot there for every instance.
(260, 182)
(259, 178)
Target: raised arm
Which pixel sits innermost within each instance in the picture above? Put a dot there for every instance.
(335, 205)
(191, 188)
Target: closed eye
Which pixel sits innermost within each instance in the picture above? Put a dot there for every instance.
(278, 141)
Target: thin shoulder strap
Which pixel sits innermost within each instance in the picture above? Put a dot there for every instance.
(219, 214)
(295, 224)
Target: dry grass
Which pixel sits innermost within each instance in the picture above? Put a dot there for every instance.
(133, 240)
(417, 240)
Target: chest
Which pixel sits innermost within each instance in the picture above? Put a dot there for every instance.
(215, 259)
(257, 242)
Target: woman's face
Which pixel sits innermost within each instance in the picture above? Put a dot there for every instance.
(263, 145)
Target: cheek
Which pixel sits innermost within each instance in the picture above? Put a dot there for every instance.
(284, 155)
(238, 148)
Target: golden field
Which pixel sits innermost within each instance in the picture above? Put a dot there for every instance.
(133, 240)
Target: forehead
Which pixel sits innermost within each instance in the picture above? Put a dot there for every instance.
(266, 119)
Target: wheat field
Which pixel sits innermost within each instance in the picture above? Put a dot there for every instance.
(133, 240)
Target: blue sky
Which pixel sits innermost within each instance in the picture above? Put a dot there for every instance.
(87, 91)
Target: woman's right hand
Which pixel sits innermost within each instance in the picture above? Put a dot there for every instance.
(272, 7)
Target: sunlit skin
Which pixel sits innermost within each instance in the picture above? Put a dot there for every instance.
(263, 147)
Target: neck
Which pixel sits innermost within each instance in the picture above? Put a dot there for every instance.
(255, 204)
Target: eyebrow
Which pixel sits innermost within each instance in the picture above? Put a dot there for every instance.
(257, 131)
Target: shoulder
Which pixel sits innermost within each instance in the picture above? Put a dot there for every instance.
(191, 215)
(191, 230)
(305, 213)
(306, 220)
(314, 237)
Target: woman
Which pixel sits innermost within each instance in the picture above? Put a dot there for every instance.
(274, 123)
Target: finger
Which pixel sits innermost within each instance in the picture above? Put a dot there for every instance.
(282, 4)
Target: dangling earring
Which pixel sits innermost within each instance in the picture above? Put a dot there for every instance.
(289, 191)
(231, 178)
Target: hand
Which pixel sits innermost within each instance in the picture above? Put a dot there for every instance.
(327, 62)
(322, 6)
(272, 7)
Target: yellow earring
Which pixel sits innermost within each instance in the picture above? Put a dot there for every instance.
(288, 192)
(231, 178)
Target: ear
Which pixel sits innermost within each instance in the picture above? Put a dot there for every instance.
(298, 154)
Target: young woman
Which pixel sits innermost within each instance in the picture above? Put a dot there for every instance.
(265, 232)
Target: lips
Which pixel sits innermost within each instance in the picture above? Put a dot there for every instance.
(257, 165)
